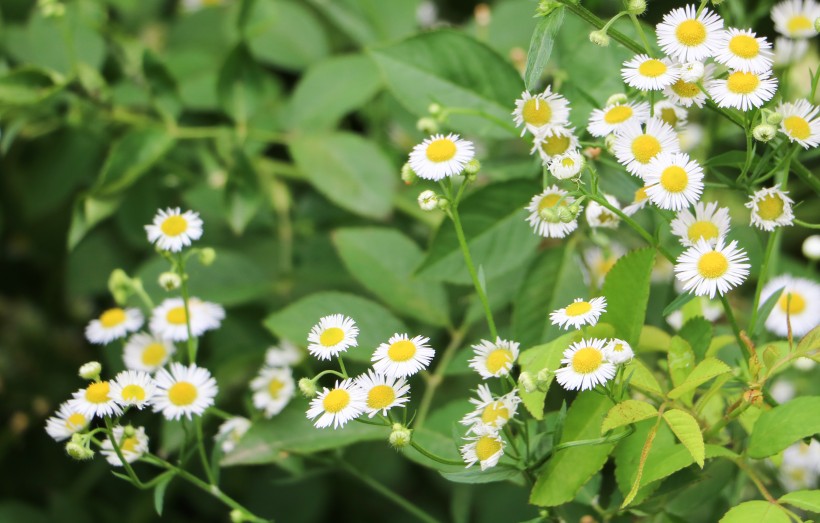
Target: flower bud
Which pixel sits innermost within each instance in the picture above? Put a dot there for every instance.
(78, 449)
(599, 38)
(482, 15)
(817, 24)
(692, 72)
(636, 7)
(549, 215)
(169, 281)
(527, 382)
(90, 370)
(565, 215)
(237, 516)
(120, 286)
(609, 143)
(764, 132)
(753, 397)
(575, 208)
(128, 431)
(434, 109)
(543, 379)
(307, 387)
(545, 7)
(408, 176)
(811, 247)
(443, 203)
(428, 200)
(472, 167)
(400, 436)
(427, 125)
(772, 117)
(207, 256)
(617, 98)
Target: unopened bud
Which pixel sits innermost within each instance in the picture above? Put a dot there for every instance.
(119, 285)
(545, 7)
(764, 132)
(817, 24)
(90, 370)
(129, 431)
(482, 15)
(443, 203)
(753, 397)
(549, 215)
(636, 7)
(78, 449)
(207, 256)
(599, 38)
(617, 98)
(575, 208)
(527, 382)
(771, 117)
(472, 167)
(428, 200)
(811, 247)
(565, 215)
(543, 379)
(307, 387)
(238, 516)
(408, 176)
(609, 143)
(400, 436)
(427, 125)
(434, 109)
(169, 281)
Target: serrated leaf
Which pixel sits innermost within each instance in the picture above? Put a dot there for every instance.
(627, 412)
(681, 360)
(781, 426)
(703, 372)
(698, 332)
(626, 288)
(757, 511)
(547, 356)
(130, 158)
(688, 432)
(803, 499)
(541, 46)
(642, 378)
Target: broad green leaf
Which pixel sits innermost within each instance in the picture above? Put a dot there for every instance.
(687, 430)
(718, 342)
(541, 46)
(285, 33)
(681, 360)
(810, 344)
(569, 469)
(642, 378)
(626, 288)
(350, 171)
(627, 412)
(674, 459)
(87, 213)
(26, 86)
(756, 511)
(313, 106)
(803, 499)
(243, 195)
(705, 371)
(547, 356)
(677, 303)
(653, 339)
(371, 21)
(383, 260)
(781, 426)
(475, 475)
(497, 234)
(376, 324)
(454, 70)
(716, 451)
(698, 332)
(130, 158)
(240, 85)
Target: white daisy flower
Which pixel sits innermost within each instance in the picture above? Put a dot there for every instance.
(578, 313)
(649, 74)
(618, 352)
(440, 156)
(493, 360)
(708, 223)
(742, 50)
(801, 466)
(485, 448)
(586, 367)
(402, 356)
(795, 18)
(598, 263)
(712, 269)
(541, 111)
(132, 388)
(603, 122)
(635, 147)
(675, 116)
(788, 51)
(554, 141)
(771, 208)
(743, 90)
(184, 391)
(113, 324)
(805, 364)
(491, 411)
(599, 216)
(800, 300)
(688, 93)
(640, 201)
(272, 389)
(692, 71)
(286, 354)
(168, 320)
(173, 229)
(230, 433)
(337, 406)
(66, 421)
(800, 123)
(146, 352)
(95, 400)
(132, 447)
(382, 393)
(674, 181)
(566, 166)
(333, 335)
(550, 201)
(687, 36)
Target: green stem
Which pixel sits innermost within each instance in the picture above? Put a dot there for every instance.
(439, 459)
(139, 290)
(639, 29)
(342, 366)
(185, 302)
(200, 442)
(196, 133)
(807, 225)
(588, 16)
(735, 329)
(118, 451)
(329, 371)
(761, 279)
(437, 377)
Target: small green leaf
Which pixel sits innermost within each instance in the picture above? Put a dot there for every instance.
(687, 430)
(541, 46)
(547, 356)
(627, 412)
(240, 87)
(642, 378)
(705, 371)
(810, 344)
(130, 158)
(781, 426)
(626, 288)
(653, 339)
(159, 494)
(681, 360)
(475, 475)
(677, 303)
(803, 499)
(698, 332)
(87, 213)
(756, 511)
(766, 309)
(26, 86)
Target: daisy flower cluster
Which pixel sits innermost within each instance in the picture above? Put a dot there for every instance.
(794, 21)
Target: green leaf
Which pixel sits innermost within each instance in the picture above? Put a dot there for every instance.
(626, 288)
(757, 511)
(497, 234)
(569, 469)
(240, 86)
(781, 426)
(350, 171)
(541, 46)
(766, 309)
(371, 21)
(286, 34)
(454, 70)
(130, 158)
(475, 475)
(627, 412)
(687, 430)
(159, 494)
(698, 332)
(705, 371)
(26, 86)
(653, 339)
(243, 195)
(642, 378)
(383, 260)
(87, 213)
(440, 435)
(376, 324)
(677, 303)
(803, 499)
(681, 360)
(547, 356)
(810, 343)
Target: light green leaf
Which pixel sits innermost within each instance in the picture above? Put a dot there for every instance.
(781, 426)
(547, 356)
(348, 170)
(810, 344)
(653, 339)
(626, 288)
(87, 213)
(286, 34)
(383, 261)
(687, 430)
(716, 451)
(705, 371)
(757, 511)
(624, 413)
(371, 21)
(698, 332)
(376, 324)
(541, 46)
(681, 360)
(803, 499)
(642, 378)
(130, 158)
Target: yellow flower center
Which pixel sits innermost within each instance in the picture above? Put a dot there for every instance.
(112, 317)
(791, 303)
(129, 445)
(798, 23)
(402, 350)
(619, 347)
(182, 393)
(549, 201)
(770, 207)
(674, 179)
(567, 162)
(536, 112)
(742, 83)
(652, 68)
(331, 336)
(176, 316)
(97, 392)
(441, 150)
(797, 127)
(691, 33)
(336, 400)
(555, 145)
(274, 387)
(578, 308)
(618, 114)
(685, 89)
(640, 195)
(670, 116)
(154, 354)
(744, 46)
(713, 265)
(75, 421)
(604, 266)
(174, 225)
(645, 147)
(486, 447)
(587, 360)
(498, 359)
(133, 392)
(703, 229)
(494, 412)
(380, 397)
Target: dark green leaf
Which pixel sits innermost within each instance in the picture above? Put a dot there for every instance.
(541, 46)
(475, 475)
(766, 309)
(371, 21)
(781, 426)
(130, 158)
(698, 332)
(240, 87)
(26, 86)
(159, 494)
(678, 302)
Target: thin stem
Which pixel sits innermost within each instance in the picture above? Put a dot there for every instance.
(437, 377)
(588, 16)
(342, 366)
(185, 302)
(329, 371)
(639, 29)
(731, 317)
(761, 279)
(807, 225)
(200, 442)
(118, 451)
(439, 459)
(753, 476)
